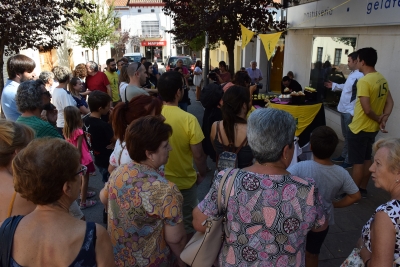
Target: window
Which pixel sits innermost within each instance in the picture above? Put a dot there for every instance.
(150, 29)
(139, 10)
(346, 51)
(152, 11)
(319, 53)
(338, 57)
(222, 56)
(87, 55)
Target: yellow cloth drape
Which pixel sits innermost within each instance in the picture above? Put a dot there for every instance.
(303, 115)
(269, 42)
(247, 35)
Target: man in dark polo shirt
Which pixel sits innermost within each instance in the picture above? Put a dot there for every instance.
(97, 80)
(292, 85)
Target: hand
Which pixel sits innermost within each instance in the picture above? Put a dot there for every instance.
(52, 116)
(199, 179)
(382, 122)
(253, 88)
(328, 84)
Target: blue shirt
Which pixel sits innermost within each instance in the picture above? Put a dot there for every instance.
(254, 74)
(8, 104)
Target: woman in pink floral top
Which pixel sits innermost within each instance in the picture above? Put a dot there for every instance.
(269, 211)
(144, 209)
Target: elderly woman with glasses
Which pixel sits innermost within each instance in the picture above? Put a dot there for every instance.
(32, 99)
(48, 173)
(269, 211)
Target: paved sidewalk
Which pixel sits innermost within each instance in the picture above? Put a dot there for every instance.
(342, 236)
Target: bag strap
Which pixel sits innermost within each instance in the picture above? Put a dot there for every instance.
(221, 184)
(7, 232)
(10, 207)
(120, 154)
(227, 194)
(241, 145)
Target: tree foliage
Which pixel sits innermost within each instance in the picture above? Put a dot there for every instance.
(120, 43)
(221, 19)
(350, 41)
(96, 28)
(30, 24)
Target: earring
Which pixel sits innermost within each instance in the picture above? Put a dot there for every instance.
(397, 181)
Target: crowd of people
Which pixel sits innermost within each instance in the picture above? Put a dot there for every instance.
(132, 125)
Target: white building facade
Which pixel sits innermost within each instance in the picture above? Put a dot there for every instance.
(146, 21)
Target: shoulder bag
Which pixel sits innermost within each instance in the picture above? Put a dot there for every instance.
(203, 248)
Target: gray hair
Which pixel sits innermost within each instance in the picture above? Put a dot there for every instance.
(93, 65)
(29, 95)
(253, 61)
(268, 132)
(45, 76)
(62, 74)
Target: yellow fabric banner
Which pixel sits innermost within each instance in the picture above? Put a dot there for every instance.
(303, 115)
(269, 42)
(247, 35)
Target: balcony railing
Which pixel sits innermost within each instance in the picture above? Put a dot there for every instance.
(146, 3)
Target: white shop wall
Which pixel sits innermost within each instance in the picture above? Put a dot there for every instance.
(385, 39)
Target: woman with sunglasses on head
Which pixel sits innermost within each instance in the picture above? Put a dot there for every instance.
(48, 173)
(123, 114)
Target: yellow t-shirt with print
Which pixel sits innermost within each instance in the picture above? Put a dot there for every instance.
(374, 86)
(113, 79)
(186, 131)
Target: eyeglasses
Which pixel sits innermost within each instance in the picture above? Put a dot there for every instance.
(82, 171)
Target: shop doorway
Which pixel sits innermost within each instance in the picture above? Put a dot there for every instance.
(154, 53)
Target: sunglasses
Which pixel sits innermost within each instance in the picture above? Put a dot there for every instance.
(82, 171)
(138, 66)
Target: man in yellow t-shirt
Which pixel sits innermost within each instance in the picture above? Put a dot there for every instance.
(112, 77)
(186, 145)
(372, 109)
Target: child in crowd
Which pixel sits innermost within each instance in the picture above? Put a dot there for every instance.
(73, 133)
(330, 179)
(99, 134)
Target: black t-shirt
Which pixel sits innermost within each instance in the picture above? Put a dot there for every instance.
(294, 86)
(98, 135)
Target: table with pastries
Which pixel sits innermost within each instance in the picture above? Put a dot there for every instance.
(308, 114)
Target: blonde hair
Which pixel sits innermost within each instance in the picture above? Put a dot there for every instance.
(13, 136)
(393, 157)
(72, 121)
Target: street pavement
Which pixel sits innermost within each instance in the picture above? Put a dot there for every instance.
(342, 236)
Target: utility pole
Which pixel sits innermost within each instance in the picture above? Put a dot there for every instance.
(207, 62)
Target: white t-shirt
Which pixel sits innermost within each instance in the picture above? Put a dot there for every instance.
(197, 78)
(122, 88)
(61, 99)
(331, 180)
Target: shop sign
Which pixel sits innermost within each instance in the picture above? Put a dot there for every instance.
(338, 13)
(154, 43)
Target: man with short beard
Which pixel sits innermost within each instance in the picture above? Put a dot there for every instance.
(112, 77)
(31, 99)
(19, 68)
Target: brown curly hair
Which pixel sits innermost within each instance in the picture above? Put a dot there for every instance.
(42, 168)
(80, 71)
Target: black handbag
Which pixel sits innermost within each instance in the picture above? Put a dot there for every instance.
(7, 232)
